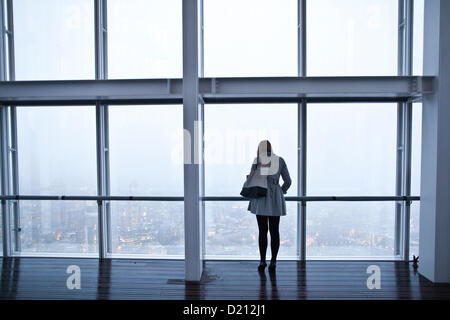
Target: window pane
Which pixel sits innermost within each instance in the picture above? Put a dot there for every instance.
(150, 228)
(59, 226)
(57, 151)
(351, 149)
(232, 134)
(350, 229)
(232, 231)
(250, 38)
(146, 145)
(418, 37)
(57, 156)
(352, 37)
(145, 39)
(54, 39)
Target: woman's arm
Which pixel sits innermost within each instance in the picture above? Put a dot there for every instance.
(252, 168)
(286, 177)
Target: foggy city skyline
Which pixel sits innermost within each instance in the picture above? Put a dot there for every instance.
(351, 147)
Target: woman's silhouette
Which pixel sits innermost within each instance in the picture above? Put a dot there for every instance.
(268, 209)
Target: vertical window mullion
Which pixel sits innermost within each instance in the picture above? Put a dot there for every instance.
(103, 185)
(201, 62)
(8, 131)
(13, 129)
(301, 133)
(398, 180)
(5, 172)
(404, 125)
(15, 179)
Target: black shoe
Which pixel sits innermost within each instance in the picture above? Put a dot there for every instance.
(272, 266)
(261, 266)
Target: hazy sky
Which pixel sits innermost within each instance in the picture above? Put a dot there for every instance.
(351, 147)
(54, 40)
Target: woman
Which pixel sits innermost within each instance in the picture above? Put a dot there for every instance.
(268, 209)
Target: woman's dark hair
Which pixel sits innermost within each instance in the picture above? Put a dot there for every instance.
(264, 147)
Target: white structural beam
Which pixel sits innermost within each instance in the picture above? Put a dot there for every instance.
(192, 146)
(216, 90)
(90, 92)
(434, 240)
(311, 87)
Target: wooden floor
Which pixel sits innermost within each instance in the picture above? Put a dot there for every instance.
(45, 278)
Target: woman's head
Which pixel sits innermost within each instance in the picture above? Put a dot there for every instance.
(264, 149)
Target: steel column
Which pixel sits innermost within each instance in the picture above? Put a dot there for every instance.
(10, 40)
(13, 131)
(302, 169)
(102, 132)
(301, 133)
(404, 124)
(5, 170)
(434, 246)
(407, 135)
(398, 180)
(406, 179)
(3, 35)
(202, 129)
(192, 145)
(9, 184)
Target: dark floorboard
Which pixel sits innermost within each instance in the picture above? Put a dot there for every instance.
(45, 278)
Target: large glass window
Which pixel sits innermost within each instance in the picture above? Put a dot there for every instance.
(57, 150)
(58, 227)
(153, 228)
(146, 144)
(250, 38)
(232, 134)
(351, 152)
(145, 39)
(352, 37)
(232, 231)
(350, 229)
(351, 149)
(57, 157)
(54, 39)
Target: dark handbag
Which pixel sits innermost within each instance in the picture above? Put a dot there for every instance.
(255, 186)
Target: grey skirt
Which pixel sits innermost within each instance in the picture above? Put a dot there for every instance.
(273, 204)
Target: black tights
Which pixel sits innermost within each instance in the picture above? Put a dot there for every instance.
(268, 223)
